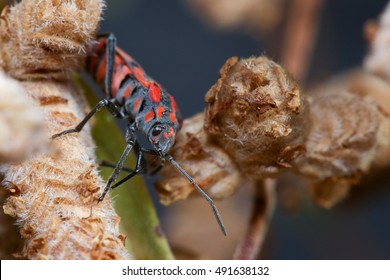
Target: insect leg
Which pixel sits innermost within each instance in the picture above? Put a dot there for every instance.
(131, 142)
(154, 153)
(202, 193)
(105, 163)
(150, 152)
(103, 103)
(140, 167)
(110, 56)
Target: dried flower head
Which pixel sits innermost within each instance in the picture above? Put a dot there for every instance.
(363, 83)
(47, 38)
(256, 113)
(208, 164)
(346, 133)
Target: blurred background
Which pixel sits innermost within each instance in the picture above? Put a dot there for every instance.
(182, 50)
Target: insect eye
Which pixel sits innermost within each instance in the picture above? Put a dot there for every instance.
(157, 130)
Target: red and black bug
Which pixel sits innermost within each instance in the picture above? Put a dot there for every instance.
(131, 94)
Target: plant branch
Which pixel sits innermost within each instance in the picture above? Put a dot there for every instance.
(300, 35)
(263, 208)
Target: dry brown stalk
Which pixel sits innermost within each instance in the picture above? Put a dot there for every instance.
(54, 202)
(261, 15)
(263, 208)
(303, 20)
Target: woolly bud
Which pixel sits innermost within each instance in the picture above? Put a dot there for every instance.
(47, 39)
(346, 133)
(256, 112)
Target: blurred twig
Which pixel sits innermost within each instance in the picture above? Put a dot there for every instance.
(300, 34)
(264, 204)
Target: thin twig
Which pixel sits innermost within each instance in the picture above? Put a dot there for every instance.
(300, 35)
(264, 204)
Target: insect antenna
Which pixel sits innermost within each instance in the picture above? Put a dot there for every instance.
(202, 193)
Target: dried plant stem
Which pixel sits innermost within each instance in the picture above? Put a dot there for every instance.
(264, 204)
(54, 197)
(300, 35)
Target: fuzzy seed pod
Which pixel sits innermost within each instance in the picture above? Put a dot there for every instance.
(363, 83)
(209, 165)
(346, 133)
(47, 38)
(256, 113)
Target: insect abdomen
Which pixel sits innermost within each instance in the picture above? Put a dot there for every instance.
(131, 87)
(126, 72)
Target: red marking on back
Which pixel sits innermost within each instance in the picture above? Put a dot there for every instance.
(101, 71)
(172, 116)
(121, 71)
(155, 93)
(124, 54)
(126, 65)
(160, 111)
(169, 134)
(117, 77)
(173, 104)
(127, 92)
(137, 104)
(149, 116)
(139, 74)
